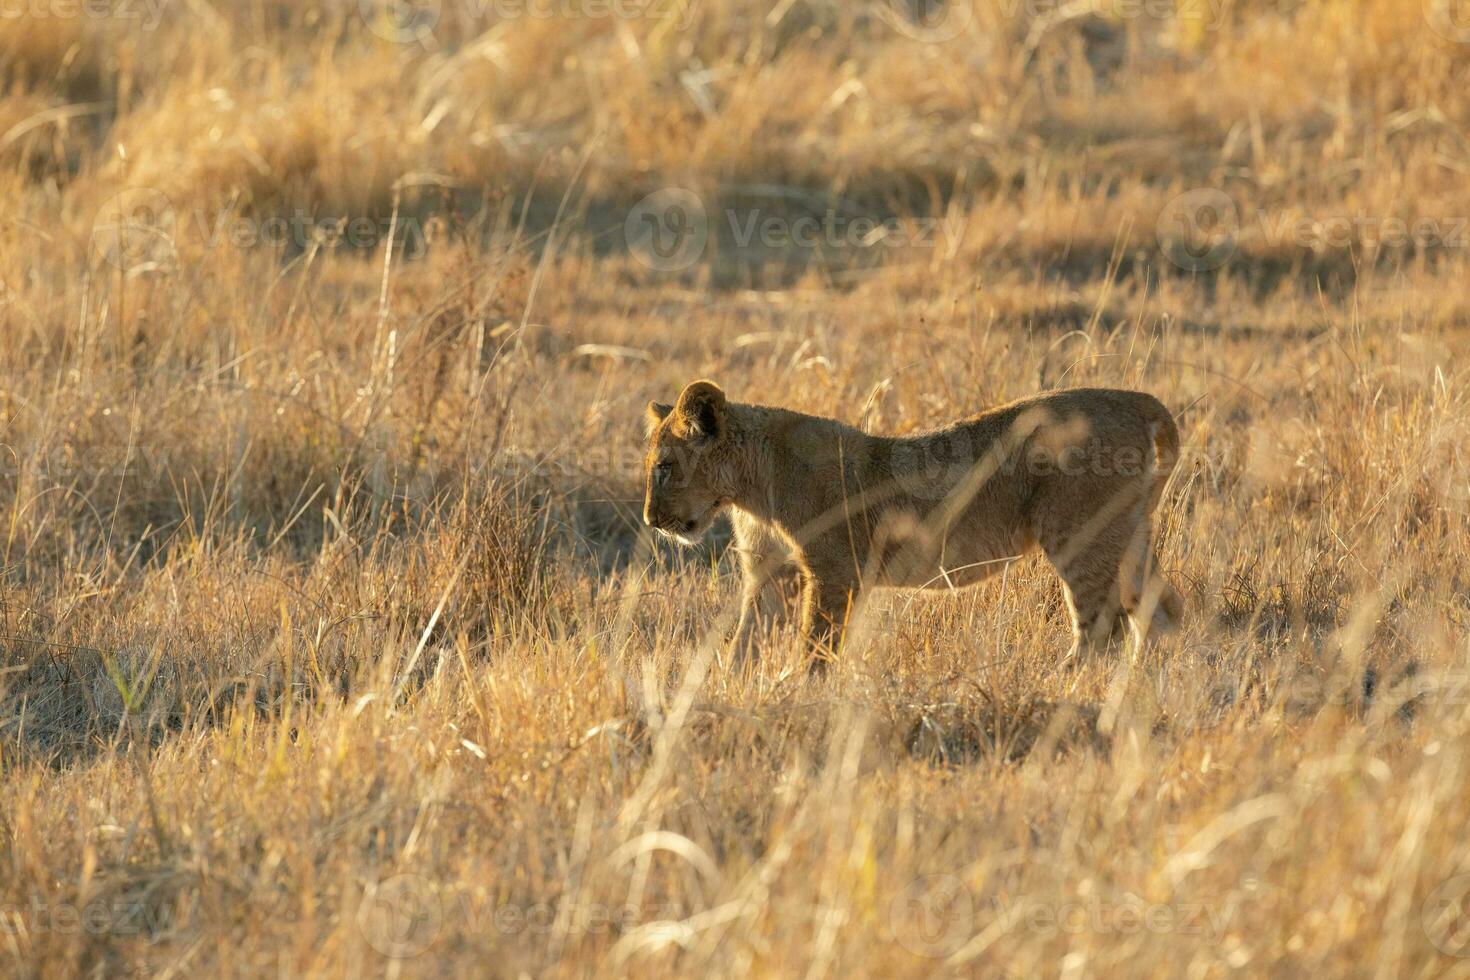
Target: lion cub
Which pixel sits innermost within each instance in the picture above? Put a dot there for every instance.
(1076, 472)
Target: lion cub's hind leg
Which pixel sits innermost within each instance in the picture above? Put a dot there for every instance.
(1088, 559)
(1153, 605)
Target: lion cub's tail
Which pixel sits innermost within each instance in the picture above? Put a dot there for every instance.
(1165, 436)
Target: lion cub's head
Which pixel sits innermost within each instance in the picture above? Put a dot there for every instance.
(685, 468)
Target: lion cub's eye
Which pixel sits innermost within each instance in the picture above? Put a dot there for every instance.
(662, 471)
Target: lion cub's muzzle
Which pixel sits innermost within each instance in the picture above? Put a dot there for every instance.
(672, 525)
(686, 530)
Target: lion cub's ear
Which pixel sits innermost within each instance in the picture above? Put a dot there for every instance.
(701, 407)
(655, 413)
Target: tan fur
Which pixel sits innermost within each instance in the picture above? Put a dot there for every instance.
(1076, 473)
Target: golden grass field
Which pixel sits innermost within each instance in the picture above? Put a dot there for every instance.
(331, 641)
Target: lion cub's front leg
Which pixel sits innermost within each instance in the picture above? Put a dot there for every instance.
(762, 556)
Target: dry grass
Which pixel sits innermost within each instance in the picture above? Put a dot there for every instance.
(330, 642)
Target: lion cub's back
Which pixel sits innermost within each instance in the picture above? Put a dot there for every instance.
(1094, 437)
(1117, 410)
